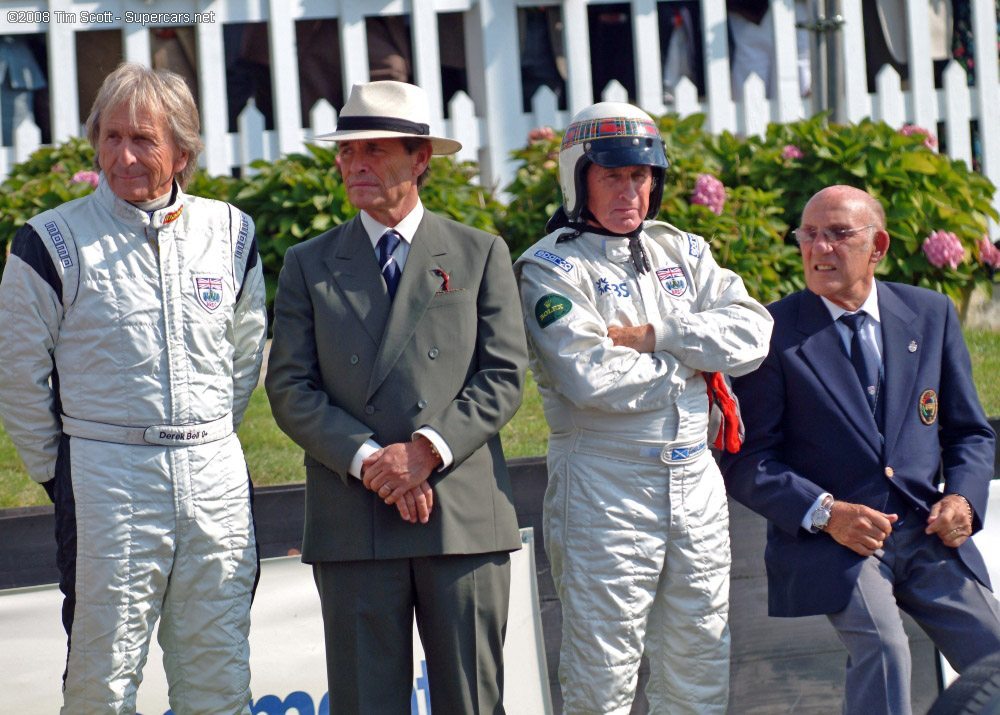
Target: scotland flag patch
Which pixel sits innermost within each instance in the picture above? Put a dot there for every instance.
(208, 291)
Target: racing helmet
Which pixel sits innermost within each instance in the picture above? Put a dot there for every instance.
(609, 134)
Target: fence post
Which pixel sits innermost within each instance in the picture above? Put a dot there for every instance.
(721, 111)
(921, 66)
(284, 77)
(496, 36)
(427, 57)
(353, 46)
(63, 82)
(787, 92)
(957, 111)
(27, 138)
(853, 79)
(250, 137)
(984, 22)
(648, 58)
(576, 40)
(213, 97)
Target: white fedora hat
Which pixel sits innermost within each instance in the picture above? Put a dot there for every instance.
(388, 110)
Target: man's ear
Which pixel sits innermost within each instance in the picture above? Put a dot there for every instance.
(881, 246)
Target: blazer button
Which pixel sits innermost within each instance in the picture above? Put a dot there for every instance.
(432, 353)
(369, 409)
(354, 359)
(889, 472)
(422, 404)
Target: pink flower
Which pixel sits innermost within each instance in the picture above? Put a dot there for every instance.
(943, 248)
(86, 177)
(710, 192)
(989, 255)
(541, 134)
(791, 152)
(929, 140)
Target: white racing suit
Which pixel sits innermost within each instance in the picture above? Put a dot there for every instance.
(635, 516)
(130, 343)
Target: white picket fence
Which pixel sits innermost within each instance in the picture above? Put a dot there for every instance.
(489, 120)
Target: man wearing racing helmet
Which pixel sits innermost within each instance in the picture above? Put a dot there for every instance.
(627, 319)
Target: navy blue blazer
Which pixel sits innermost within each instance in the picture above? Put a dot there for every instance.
(809, 430)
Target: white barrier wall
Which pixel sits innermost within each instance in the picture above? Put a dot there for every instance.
(286, 644)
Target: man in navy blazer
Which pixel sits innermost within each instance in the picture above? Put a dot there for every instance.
(844, 462)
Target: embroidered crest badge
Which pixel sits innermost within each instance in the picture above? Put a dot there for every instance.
(672, 279)
(927, 407)
(208, 291)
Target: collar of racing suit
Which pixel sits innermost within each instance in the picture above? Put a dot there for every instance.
(640, 259)
(135, 216)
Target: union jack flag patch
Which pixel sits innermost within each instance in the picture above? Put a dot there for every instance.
(672, 279)
(208, 291)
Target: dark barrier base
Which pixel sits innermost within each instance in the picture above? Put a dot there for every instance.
(778, 665)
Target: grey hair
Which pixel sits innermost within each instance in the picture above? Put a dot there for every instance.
(160, 92)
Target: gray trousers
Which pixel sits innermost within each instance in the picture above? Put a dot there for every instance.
(920, 575)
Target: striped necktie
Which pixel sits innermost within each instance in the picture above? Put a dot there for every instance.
(387, 262)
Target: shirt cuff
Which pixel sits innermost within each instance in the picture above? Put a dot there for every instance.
(666, 333)
(363, 453)
(439, 444)
(807, 520)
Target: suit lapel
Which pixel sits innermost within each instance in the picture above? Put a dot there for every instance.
(417, 287)
(899, 335)
(354, 269)
(823, 352)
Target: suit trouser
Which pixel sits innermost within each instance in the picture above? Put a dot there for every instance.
(460, 603)
(927, 579)
(639, 552)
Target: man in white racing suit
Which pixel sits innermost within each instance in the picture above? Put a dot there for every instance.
(629, 323)
(132, 324)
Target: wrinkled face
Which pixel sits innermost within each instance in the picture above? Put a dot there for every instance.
(139, 158)
(842, 271)
(380, 176)
(619, 197)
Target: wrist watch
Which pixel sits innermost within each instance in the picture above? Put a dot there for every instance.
(821, 514)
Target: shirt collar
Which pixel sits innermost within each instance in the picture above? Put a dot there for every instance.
(870, 306)
(406, 228)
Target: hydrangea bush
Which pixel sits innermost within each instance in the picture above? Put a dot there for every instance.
(744, 195)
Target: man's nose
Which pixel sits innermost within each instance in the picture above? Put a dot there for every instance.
(126, 153)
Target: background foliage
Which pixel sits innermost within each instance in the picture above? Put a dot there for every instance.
(768, 180)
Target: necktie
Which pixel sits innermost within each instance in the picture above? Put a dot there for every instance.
(387, 263)
(863, 358)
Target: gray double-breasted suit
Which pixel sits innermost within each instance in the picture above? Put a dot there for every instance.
(347, 365)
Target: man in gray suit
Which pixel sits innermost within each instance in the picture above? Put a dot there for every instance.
(398, 355)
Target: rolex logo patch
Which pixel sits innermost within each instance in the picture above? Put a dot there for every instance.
(551, 308)
(208, 291)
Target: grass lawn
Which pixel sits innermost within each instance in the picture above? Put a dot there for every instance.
(274, 459)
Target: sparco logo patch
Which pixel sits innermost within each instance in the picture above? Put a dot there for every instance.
(60, 244)
(208, 290)
(672, 279)
(555, 260)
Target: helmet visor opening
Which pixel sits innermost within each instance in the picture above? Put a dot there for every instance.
(627, 151)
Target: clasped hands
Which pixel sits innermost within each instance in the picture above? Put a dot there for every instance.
(398, 474)
(864, 530)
